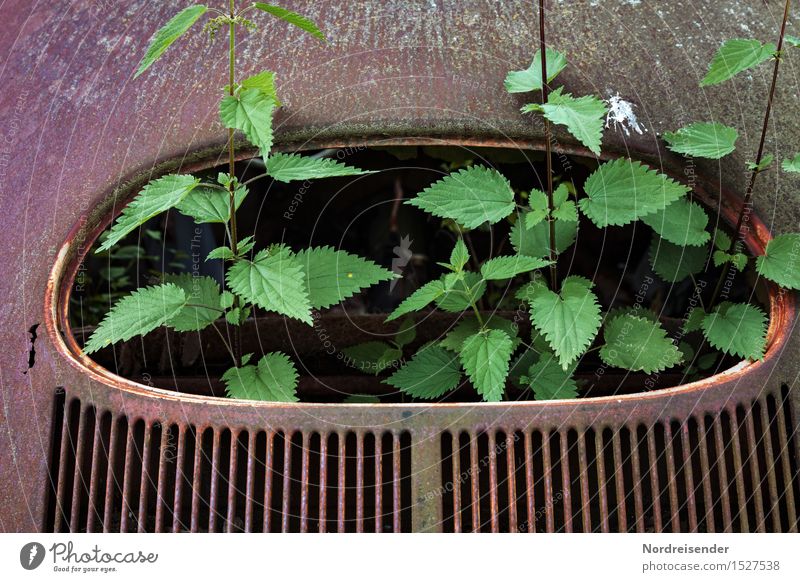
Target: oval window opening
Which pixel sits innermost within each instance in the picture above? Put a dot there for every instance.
(362, 227)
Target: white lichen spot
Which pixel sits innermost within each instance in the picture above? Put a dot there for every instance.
(620, 112)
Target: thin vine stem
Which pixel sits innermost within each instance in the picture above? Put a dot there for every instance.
(237, 344)
(748, 197)
(548, 147)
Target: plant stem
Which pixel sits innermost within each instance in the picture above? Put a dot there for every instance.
(748, 196)
(237, 344)
(548, 153)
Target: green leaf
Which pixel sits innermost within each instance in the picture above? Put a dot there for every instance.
(431, 373)
(459, 256)
(638, 344)
(288, 167)
(567, 212)
(169, 33)
(792, 164)
(470, 196)
(583, 116)
(199, 291)
(721, 240)
(683, 223)
(273, 379)
(293, 18)
(274, 280)
(372, 357)
(535, 241)
(461, 291)
(226, 299)
(738, 260)
(735, 56)
(703, 140)
(485, 357)
(251, 113)
(781, 261)
(765, 163)
(245, 245)
(622, 191)
(694, 320)
(674, 263)
(568, 320)
(738, 329)
(469, 326)
(332, 276)
(500, 268)
(530, 79)
(406, 333)
(361, 399)
(549, 381)
(137, 314)
(211, 205)
(538, 202)
(222, 253)
(419, 299)
(158, 196)
(264, 82)
(520, 367)
(792, 40)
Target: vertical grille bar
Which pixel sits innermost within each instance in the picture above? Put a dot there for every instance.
(251, 478)
(268, 471)
(144, 481)
(638, 484)
(786, 451)
(323, 482)
(512, 483)
(566, 483)
(493, 504)
(359, 482)
(774, 509)
(304, 471)
(529, 493)
(586, 500)
(688, 475)
(548, 484)
(379, 481)
(705, 481)
(601, 481)
(99, 445)
(755, 476)
(180, 478)
(739, 473)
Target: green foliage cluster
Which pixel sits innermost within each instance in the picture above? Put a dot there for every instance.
(566, 317)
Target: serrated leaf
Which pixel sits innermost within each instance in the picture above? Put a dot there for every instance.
(245, 245)
(211, 205)
(251, 113)
(622, 191)
(485, 357)
(158, 196)
(221, 253)
(674, 263)
(549, 381)
(538, 203)
(694, 320)
(226, 299)
(584, 116)
(569, 320)
(293, 18)
(199, 291)
(461, 291)
(738, 260)
(738, 329)
(273, 379)
(264, 82)
(683, 223)
(289, 167)
(791, 164)
(781, 261)
(459, 256)
(420, 298)
(168, 34)
(721, 240)
(530, 79)
(407, 332)
(639, 345)
(274, 280)
(469, 326)
(735, 56)
(792, 40)
(470, 196)
(332, 276)
(372, 357)
(765, 163)
(567, 212)
(703, 140)
(431, 373)
(535, 241)
(508, 267)
(137, 314)
(520, 366)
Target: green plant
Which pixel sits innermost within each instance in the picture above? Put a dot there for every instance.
(567, 319)
(274, 279)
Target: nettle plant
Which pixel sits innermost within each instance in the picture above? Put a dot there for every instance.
(567, 319)
(274, 279)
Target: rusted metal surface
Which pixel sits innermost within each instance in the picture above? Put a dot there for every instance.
(77, 131)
